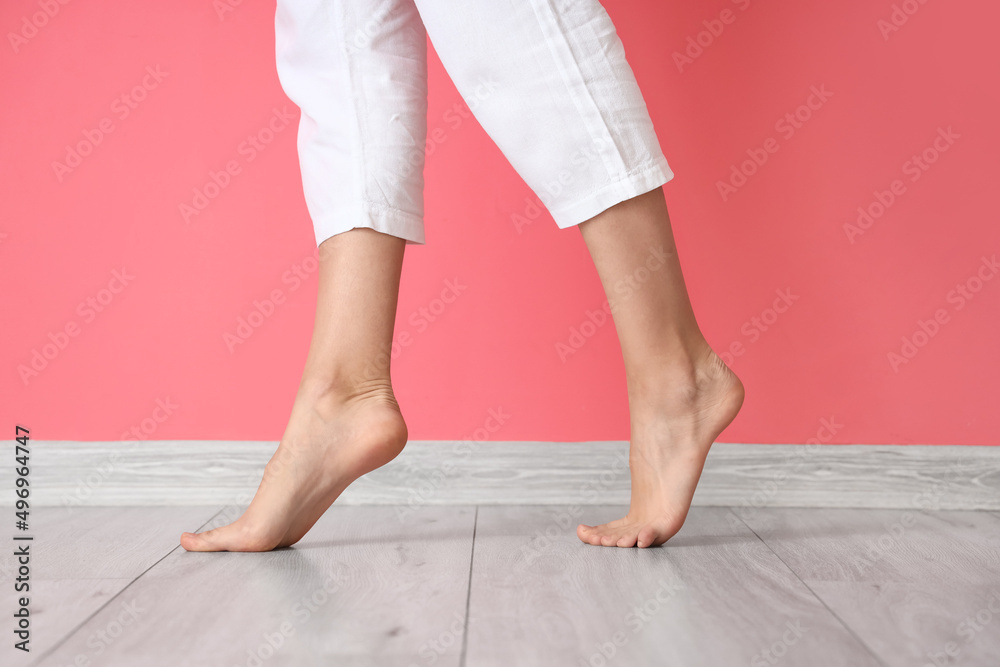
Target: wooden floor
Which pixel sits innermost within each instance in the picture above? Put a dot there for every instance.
(512, 586)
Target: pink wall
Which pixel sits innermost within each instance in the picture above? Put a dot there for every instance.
(159, 337)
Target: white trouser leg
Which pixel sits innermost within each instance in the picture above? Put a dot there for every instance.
(358, 71)
(547, 80)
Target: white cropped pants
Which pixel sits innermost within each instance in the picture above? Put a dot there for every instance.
(546, 79)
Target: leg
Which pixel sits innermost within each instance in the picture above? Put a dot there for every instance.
(550, 83)
(681, 396)
(345, 421)
(358, 72)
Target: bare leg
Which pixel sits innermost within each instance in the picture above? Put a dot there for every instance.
(681, 395)
(345, 421)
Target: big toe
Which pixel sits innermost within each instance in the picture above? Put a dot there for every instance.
(648, 537)
(657, 532)
(589, 534)
(195, 542)
(219, 539)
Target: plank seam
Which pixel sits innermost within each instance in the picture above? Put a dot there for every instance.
(468, 591)
(847, 627)
(114, 597)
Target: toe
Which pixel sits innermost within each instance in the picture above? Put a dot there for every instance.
(623, 536)
(618, 533)
(195, 542)
(589, 534)
(648, 537)
(227, 538)
(612, 533)
(628, 538)
(658, 532)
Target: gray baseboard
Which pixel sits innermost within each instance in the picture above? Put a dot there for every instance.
(187, 472)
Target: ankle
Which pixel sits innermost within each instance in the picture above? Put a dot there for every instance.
(338, 391)
(678, 380)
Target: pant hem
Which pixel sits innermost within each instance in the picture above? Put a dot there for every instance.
(388, 221)
(630, 186)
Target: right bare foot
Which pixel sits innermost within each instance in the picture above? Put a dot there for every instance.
(332, 439)
(672, 431)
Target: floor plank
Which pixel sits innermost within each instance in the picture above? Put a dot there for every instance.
(715, 596)
(58, 606)
(82, 557)
(911, 584)
(108, 542)
(362, 588)
(913, 587)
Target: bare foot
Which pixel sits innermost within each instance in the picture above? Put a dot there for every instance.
(331, 440)
(672, 432)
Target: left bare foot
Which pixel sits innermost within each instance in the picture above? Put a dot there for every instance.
(331, 440)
